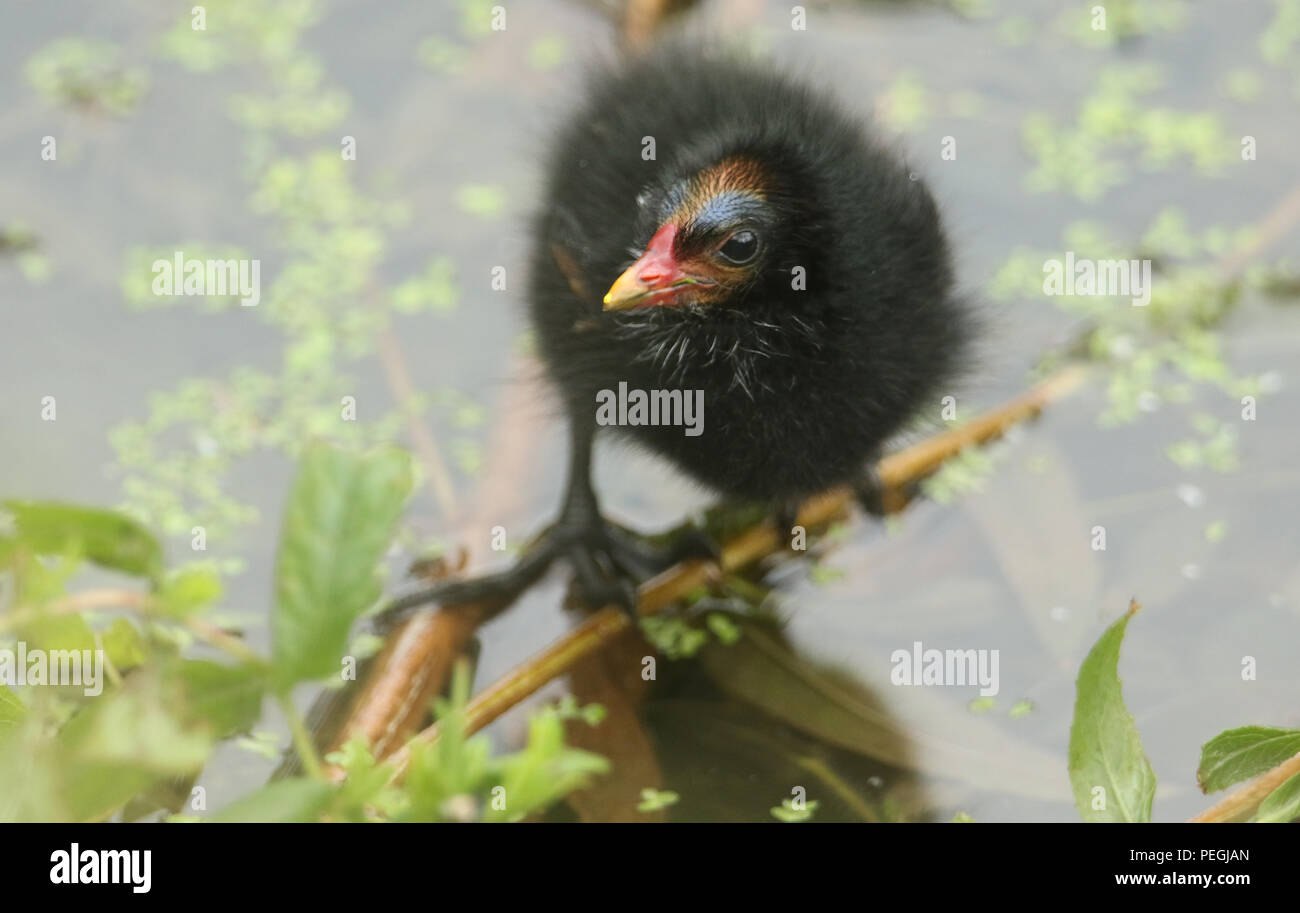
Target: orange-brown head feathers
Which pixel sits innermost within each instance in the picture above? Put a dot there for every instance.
(708, 242)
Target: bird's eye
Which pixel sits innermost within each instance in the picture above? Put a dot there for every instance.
(740, 248)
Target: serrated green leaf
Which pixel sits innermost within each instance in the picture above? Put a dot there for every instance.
(106, 537)
(339, 521)
(1105, 749)
(545, 771)
(1239, 754)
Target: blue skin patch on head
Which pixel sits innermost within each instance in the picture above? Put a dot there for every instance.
(721, 215)
(731, 207)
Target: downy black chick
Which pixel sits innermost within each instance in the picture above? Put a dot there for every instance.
(712, 225)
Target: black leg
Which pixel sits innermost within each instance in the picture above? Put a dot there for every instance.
(608, 561)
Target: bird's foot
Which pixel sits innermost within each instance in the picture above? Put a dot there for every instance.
(609, 562)
(496, 590)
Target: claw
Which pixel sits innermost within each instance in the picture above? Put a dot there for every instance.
(498, 590)
(608, 563)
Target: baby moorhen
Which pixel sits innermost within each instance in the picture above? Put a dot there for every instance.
(710, 225)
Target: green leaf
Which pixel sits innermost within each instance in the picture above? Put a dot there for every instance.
(723, 628)
(58, 632)
(545, 771)
(453, 779)
(189, 589)
(366, 790)
(106, 537)
(1105, 749)
(124, 645)
(120, 745)
(1239, 754)
(787, 813)
(340, 518)
(12, 710)
(294, 800)
(653, 800)
(29, 771)
(675, 637)
(1281, 805)
(229, 698)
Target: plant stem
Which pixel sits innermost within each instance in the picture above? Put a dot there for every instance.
(302, 741)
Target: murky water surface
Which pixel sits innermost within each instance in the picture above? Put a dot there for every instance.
(1211, 556)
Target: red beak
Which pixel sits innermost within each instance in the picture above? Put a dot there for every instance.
(655, 278)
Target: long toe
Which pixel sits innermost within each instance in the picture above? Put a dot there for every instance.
(498, 590)
(610, 562)
(599, 579)
(634, 556)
